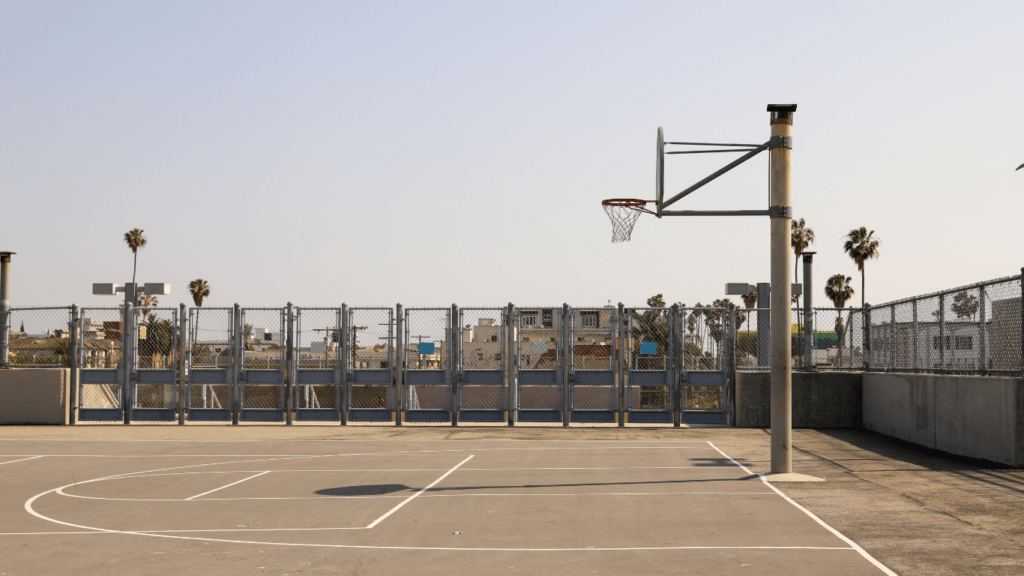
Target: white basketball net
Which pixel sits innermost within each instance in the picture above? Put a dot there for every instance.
(623, 215)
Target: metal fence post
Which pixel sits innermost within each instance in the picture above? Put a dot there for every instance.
(182, 375)
(676, 367)
(892, 337)
(1020, 307)
(73, 365)
(127, 315)
(399, 363)
(730, 377)
(453, 355)
(808, 258)
(917, 354)
(866, 345)
(622, 353)
(5, 309)
(236, 365)
(982, 364)
(566, 359)
(510, 362)
(289, 398)
(942, 333)
(343, 343)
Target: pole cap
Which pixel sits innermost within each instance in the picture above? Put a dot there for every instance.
(782, 113)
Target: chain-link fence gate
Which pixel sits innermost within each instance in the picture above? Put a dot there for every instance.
(592, 365)
(540, 354)
(371, 365)
(317, 391)
(154, 384)
(262, 366)
(481, 364)
(650, 365)
(430, 340)
(704, 390)
(101, 370)
(211, 363)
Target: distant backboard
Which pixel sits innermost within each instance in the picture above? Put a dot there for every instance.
(426, 348)
(659, 172)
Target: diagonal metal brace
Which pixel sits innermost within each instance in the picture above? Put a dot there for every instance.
(728, 167)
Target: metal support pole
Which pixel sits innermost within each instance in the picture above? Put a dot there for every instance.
(400, 351)
(915, 365)
(453, 355)
(182, 375)
(235, 357)
(781, 331)
(5, 309)
(808, 311)
(289, 396)
(343, 343)
(676, 353)
(509, 343)
(566, 360)
(621, 354)
(1020, 307)
(73, 364)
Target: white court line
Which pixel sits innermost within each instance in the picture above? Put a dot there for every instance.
(226, 486)
(22, 460)
(410, 498)
(374, 453)
(311, 470)
(431, 495)
(835, 532)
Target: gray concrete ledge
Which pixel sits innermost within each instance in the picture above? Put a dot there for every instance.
(34, 396)
(973, 416)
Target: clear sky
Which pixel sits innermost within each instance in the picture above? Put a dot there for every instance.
(434, 152)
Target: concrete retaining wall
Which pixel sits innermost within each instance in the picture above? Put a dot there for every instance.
(34, 396)
(820, 399)
(973, 416)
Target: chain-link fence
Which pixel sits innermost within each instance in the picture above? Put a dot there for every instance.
(973, 329)
(39, 337)
(317, 356)
(99, 355)
(828, 339)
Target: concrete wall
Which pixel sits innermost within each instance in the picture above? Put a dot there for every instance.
(34, 396)
(973, 416)
(820, 399)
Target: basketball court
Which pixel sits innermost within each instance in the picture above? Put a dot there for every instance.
(404, 505)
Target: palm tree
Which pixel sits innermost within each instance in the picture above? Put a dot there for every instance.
(838, 290)
(800, 239)
(135, 240)
(199, 289)
(862, 246)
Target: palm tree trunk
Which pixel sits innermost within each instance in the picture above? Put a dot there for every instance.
(862, 288)
(135, 267)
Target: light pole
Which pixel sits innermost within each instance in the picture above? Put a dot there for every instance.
(130, 291)
(5, 307)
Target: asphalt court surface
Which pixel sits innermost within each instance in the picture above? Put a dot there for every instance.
(402, 506)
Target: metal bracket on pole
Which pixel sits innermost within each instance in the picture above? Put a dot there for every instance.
(780, 212)
(781, 142)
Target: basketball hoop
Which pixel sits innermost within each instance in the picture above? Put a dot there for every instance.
(623, 213)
